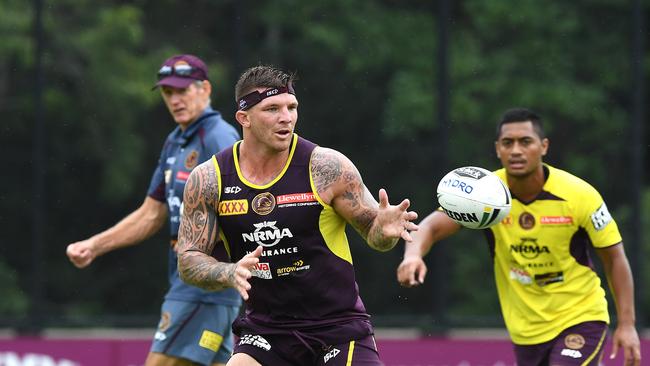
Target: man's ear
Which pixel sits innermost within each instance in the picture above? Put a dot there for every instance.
(496, 148)
(242, 118)
(545, 144)
(207, 86)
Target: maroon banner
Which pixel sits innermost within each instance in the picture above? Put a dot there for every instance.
(132, 352)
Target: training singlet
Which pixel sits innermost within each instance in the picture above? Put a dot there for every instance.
(182, 151)
(305, 277)
(544, 274)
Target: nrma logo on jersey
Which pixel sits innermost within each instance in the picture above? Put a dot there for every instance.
(529, 249)
(266, 234)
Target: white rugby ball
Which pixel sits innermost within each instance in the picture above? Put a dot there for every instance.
(474, 197)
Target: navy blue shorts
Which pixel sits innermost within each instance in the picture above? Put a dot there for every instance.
(297, 350)
(581, 344)
(194, 331)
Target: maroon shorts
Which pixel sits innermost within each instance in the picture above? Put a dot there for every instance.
(297, 350)
(581, 344)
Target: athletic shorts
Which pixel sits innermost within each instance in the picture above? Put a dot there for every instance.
(296, 350)
(581, 344)
(194, 331)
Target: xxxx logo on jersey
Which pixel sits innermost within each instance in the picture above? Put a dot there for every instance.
(233, 207)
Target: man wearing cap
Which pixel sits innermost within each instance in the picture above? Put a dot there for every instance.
(195, 324)
(285, 227)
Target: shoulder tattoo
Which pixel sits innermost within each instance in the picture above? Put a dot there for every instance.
(326, 169)
(352, 198)
(200, 201)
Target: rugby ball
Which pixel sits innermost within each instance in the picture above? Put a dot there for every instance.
(474, 197)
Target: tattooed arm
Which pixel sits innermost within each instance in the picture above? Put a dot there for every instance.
(198, 234)
(339, 184)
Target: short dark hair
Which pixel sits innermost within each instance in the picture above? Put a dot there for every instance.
(522, 115)
(262, 76)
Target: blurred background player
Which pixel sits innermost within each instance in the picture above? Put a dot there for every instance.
(551, 297)
(195, 324)
(286, 228)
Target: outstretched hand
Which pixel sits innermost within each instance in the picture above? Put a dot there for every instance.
(243, 271)
(395, 221)
(391, 223)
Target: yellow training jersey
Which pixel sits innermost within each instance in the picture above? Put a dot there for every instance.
(542, 266)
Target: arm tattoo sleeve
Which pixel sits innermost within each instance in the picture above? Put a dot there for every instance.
(333, 172)
(198, 232)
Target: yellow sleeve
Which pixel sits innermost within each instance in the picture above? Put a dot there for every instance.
(596, 219)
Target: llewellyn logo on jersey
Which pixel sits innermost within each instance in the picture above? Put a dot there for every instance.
(556, 220)
(296, 199)
(263, 203)
(233, 207)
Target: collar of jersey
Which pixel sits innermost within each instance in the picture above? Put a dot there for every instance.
(191, 130)
(235, 154)
(548, 177)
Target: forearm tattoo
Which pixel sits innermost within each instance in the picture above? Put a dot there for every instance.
(207, 274)
(199, 230)
(377, 239)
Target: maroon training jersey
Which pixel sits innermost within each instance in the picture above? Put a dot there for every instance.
(305, 277)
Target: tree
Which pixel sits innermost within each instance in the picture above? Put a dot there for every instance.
(367, 88)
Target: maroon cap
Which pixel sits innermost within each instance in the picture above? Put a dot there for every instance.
(181, 70)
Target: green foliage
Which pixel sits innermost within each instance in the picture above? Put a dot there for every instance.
(503, 58)
(397, 66)
(410, 106)
(367, 88)
(15, 20)
(98, 74)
